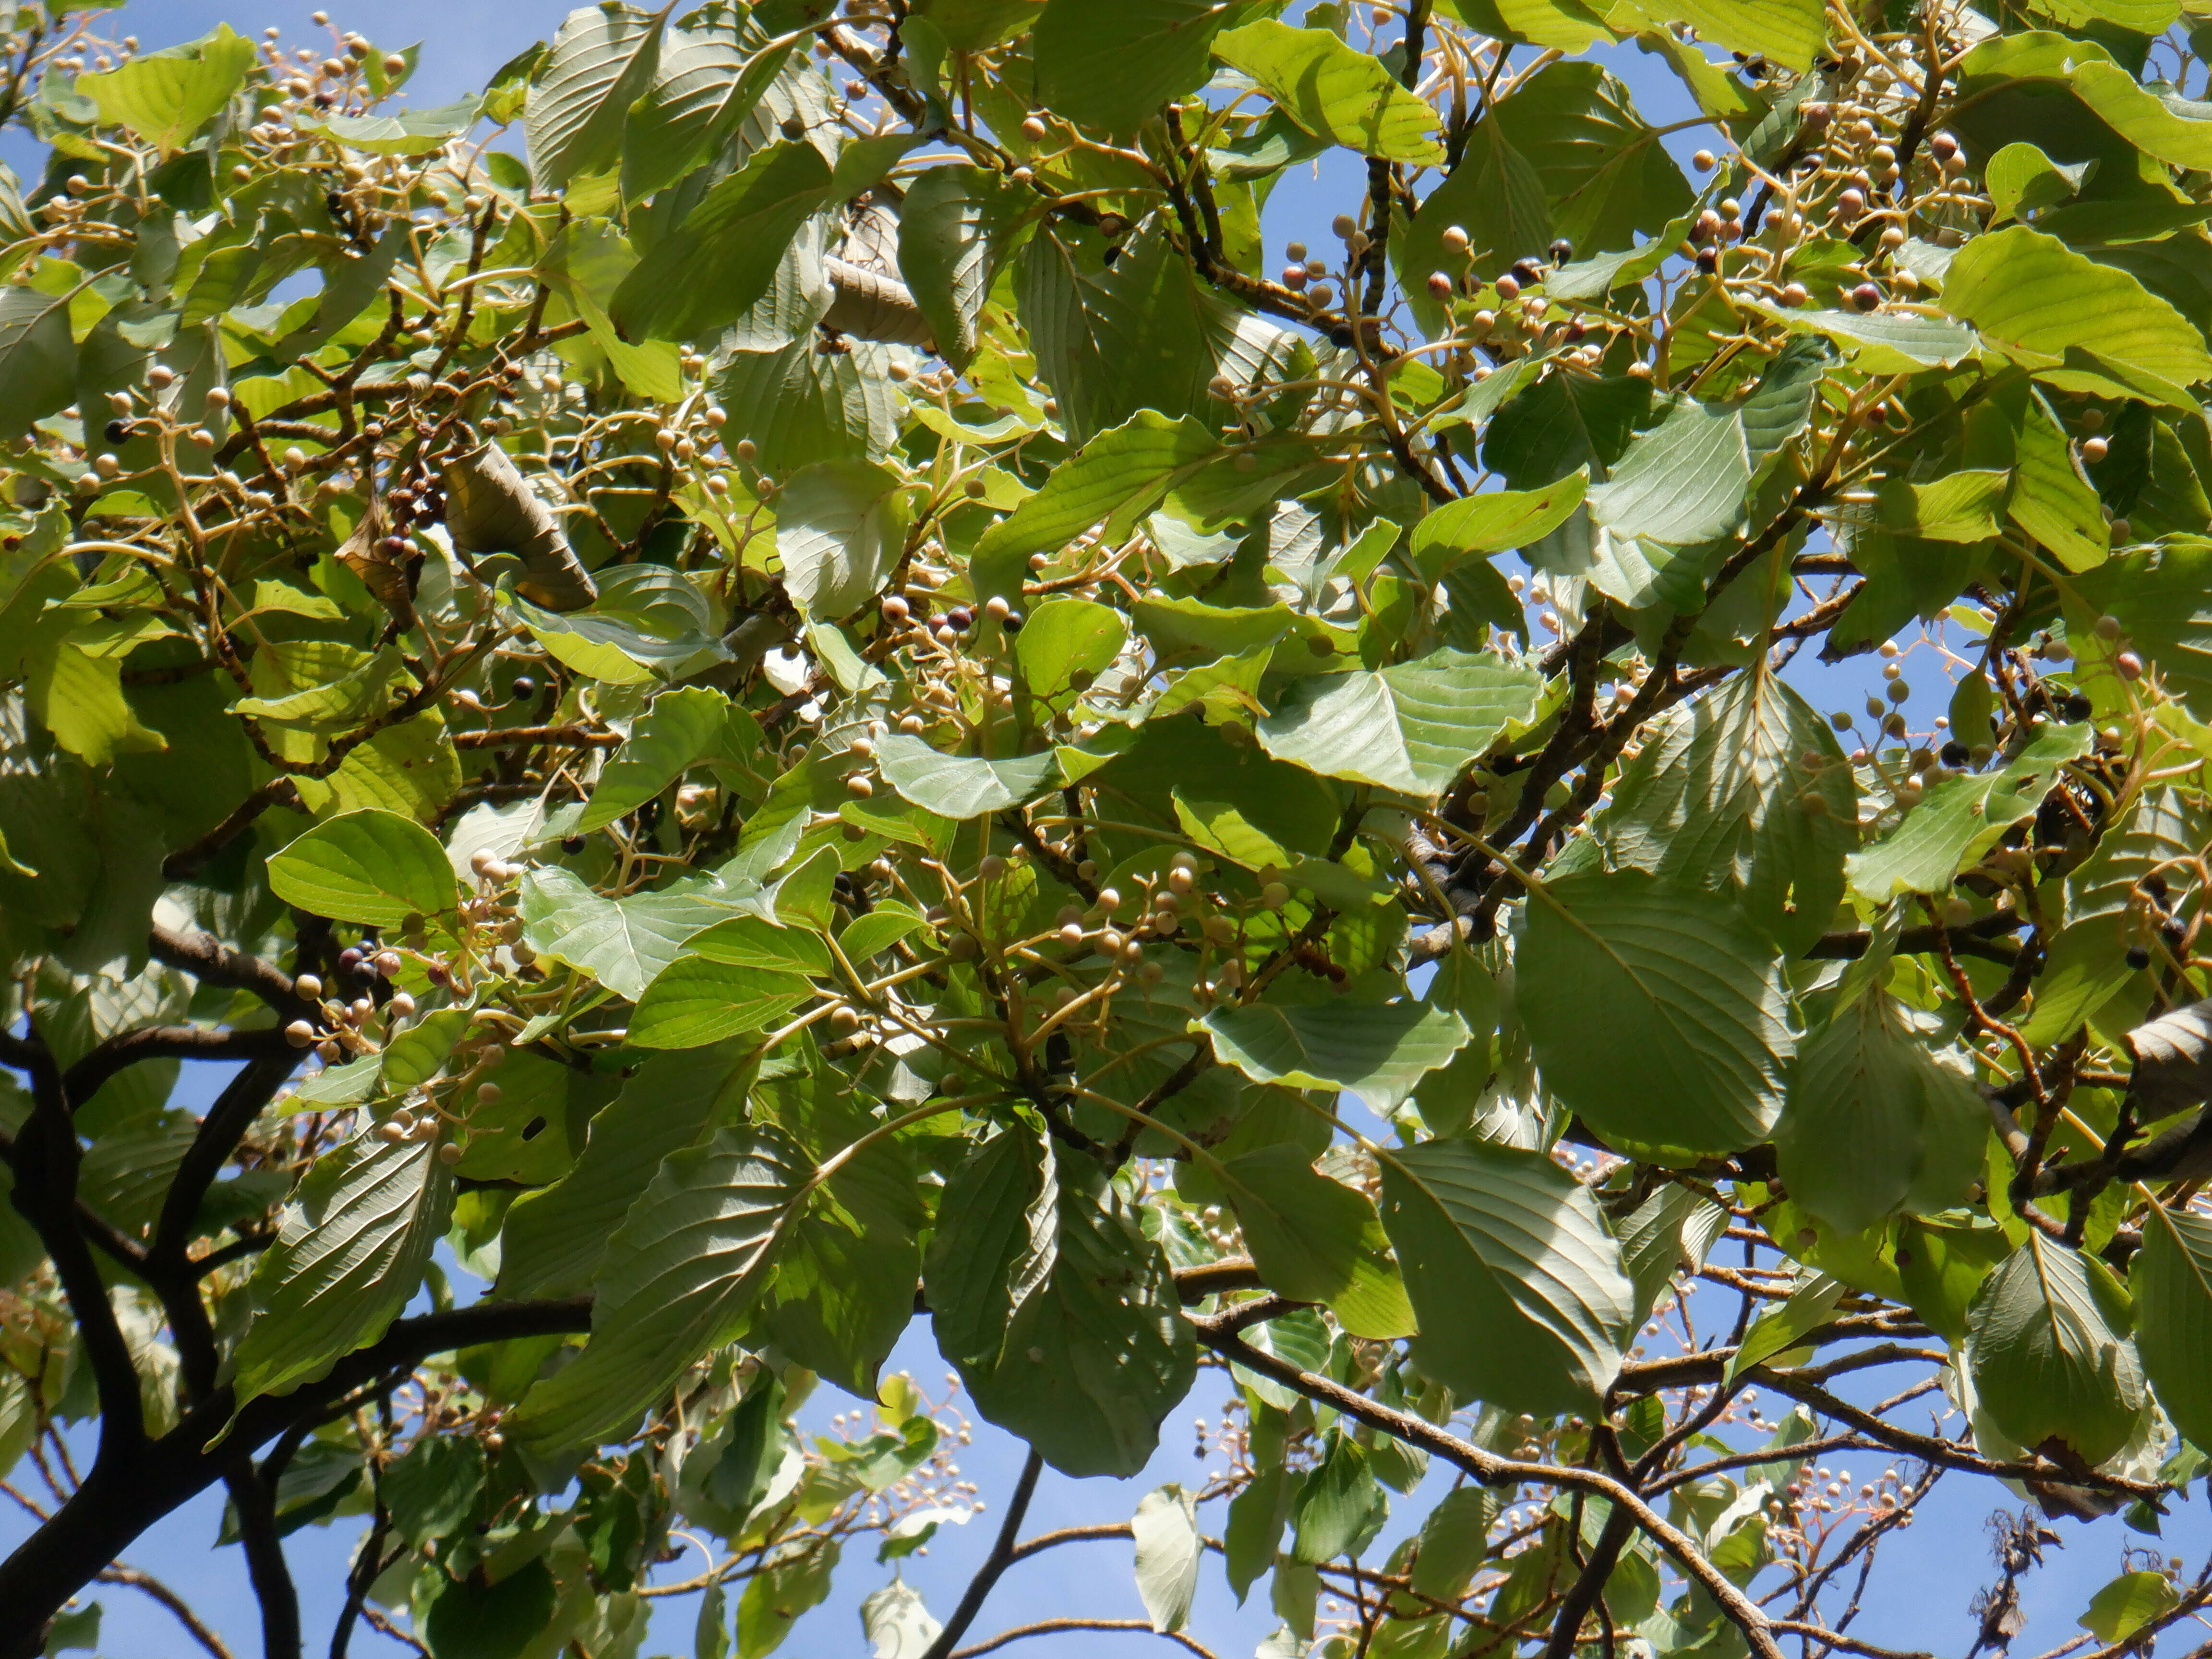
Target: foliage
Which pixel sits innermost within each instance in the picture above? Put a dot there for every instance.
(774, 673)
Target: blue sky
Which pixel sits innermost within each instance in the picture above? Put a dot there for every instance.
(1928, 1576)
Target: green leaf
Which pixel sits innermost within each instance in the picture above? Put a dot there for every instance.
(165, 97)
(1061, 1315)
(788, 1586)
(1689, 997)
(1724, 797)
(1410, 727)
(1876, 1124)
(1682, 481)
(1790, 31)
(1604, 170)
(799, 405)
(2127, 1603)
(1333, 92)
(2159, 597)
(681, 728)
(552, 1239)
(2171, 1278)
(960, 787)
(698, 81)
(1119, 476)
(841, 526)
(1495, 521)
(649, 623)
(1959, 506)
(1884, 342)
(710, 270)
(2051, 498)
(2048, 1351)
(1379, 1051)
(469, 1618)
(1515, 1280)
(350, 1257)
(2035, 296)
(602, 62)
(1495, 196)
(958, 228)
(1114, 66)
(1317, 1240)
(1454, 1537)
(372, 868)
(1168, 1550)
(1334, 1502)
(1781, 1328)
(625, 943)
(1961, 816)
(408, 132)
(695, 1002)
(1068, 644)
(2020, 178)
(680, 1276)
(38, 358)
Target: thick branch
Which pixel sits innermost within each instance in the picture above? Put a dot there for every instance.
(127, 1049)
(124, 1495)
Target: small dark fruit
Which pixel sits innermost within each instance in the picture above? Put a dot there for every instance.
(524, 686)
(2138, 956)
(1527, 272)
(117, 431)
(1012, 621)
(1956, 754)
(2075, 707)
(960, 618)
(1866, 296)
(1709, 261)
(350, 958)
(1562, 251)
(572, 844)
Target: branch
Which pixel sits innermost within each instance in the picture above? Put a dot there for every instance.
(1001, 1557)
(169, 1598)
(124, 1495)
(255, 1500)
(220, 1130)
(211, 961)
(1494, 1470)
(188, 860)
(1843, 1644)
(46, 1157)
(128, 1048)
(1054, 1626)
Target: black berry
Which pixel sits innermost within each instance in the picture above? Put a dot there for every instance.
(2138, 956)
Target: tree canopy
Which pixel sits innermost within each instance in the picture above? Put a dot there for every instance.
(781, 677)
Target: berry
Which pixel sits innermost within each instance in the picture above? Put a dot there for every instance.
(1013, 622)
(1866, 296)
(524, 686)
(116, 431)
(572, 845)
(2095, 449)
(1562, 251)
(1709, 261)
(2138, 956)
(960, 618)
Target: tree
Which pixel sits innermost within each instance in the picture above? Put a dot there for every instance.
(832, 701)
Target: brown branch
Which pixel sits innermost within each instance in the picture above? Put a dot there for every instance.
(1494, 1470)
(127, 1049)
(521, 737)
(1000, 1557)
(1056, 1627)
(188, 860)
(169, 1598)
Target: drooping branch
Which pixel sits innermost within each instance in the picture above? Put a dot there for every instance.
(178, 1609)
